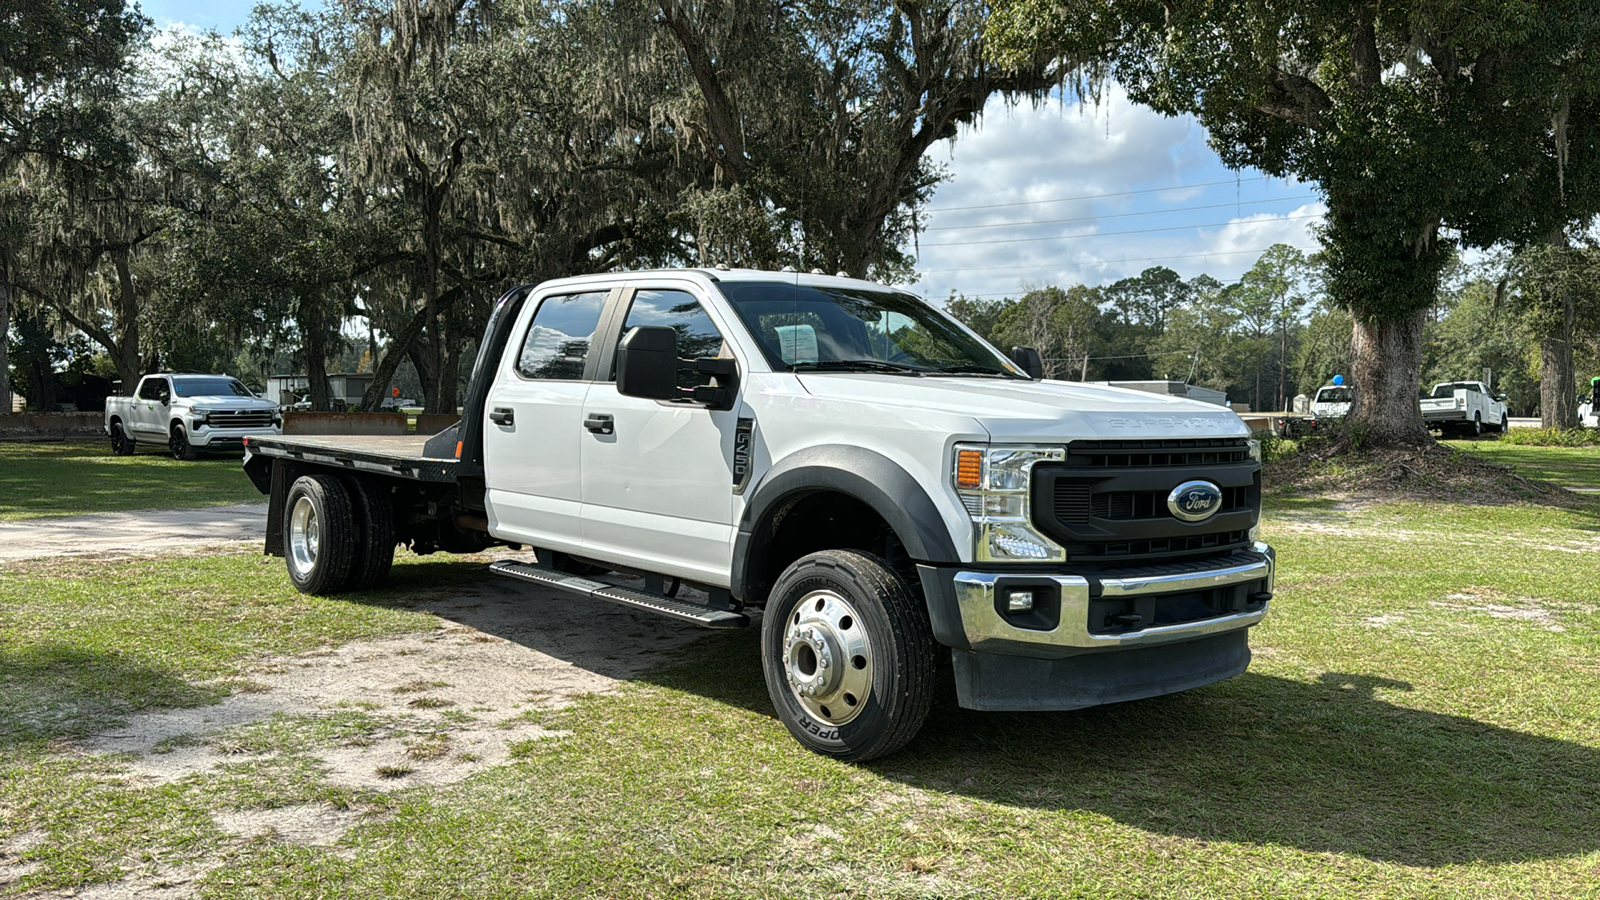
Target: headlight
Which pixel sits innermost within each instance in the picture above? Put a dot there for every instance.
(994, 483)
(201, 416)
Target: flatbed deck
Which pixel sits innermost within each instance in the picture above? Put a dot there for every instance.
(402, 457)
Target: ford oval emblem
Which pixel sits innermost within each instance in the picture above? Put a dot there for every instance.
(1195, 501)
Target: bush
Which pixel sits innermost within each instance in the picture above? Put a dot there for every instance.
(1552, 437)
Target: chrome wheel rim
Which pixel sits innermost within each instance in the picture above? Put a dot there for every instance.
(305, 536)
(827, 658)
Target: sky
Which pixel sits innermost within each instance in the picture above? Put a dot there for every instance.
(1056, 193)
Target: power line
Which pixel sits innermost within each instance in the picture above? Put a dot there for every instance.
(1098, 262)
(1069, 237)
(1153, 212)
(1180, 187)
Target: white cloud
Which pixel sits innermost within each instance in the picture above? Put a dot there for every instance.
(1132, 181)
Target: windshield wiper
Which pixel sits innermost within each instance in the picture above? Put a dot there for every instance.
(860, 365)
(972, 369)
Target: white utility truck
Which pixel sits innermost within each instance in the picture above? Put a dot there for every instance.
(189, 415)
(1333, 401)
(883, 484)
(1464, 406)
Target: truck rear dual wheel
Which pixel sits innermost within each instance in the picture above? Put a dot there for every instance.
(374, 515)
(337, 535)
(848, 655)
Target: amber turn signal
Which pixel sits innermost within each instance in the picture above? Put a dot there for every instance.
(969, 469)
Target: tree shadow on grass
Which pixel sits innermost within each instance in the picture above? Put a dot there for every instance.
(54, 692)
(1328, 766)
(1335, 765)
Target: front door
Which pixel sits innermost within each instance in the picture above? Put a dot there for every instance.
(149, 410)
(658, 486)
(533, 423)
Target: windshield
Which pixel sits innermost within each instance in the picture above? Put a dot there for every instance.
(1334, 395)
(209, 387)
(801, 327)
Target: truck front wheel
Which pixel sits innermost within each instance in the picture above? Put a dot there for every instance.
(121, 444)
(319, 534)
(178, 443)
(848, 655)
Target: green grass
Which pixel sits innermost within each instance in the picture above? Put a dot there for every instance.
(1421, 719)
(63, 479)
(1552, 437)
(1566, 466)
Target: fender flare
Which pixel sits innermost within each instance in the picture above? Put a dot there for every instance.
(863, 474)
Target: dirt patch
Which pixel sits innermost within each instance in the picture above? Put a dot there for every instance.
(308, 825)
(134, 533)
(1429, 474)
(429, 708)
(12, 850)
(1487, 602)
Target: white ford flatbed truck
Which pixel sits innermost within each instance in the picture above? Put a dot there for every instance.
(883, 484)
(189, 415)
(1464, 406)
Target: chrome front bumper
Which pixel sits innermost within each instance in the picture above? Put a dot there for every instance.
(206, 437)
(985, 626)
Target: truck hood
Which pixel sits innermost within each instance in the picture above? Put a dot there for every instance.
(1046, 411)
(229, 402)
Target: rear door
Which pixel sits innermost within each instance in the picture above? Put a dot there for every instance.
(533, 422)
(657, 475)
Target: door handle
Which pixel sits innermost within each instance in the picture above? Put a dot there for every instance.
(600, 423)
(503, 415)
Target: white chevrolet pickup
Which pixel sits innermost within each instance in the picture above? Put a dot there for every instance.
(189, 415)
(883, 484)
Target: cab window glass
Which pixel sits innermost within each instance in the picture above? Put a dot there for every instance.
(559, 337)
(153, 389)
(698, 338)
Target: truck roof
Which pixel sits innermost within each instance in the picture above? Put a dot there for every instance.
(713, 274)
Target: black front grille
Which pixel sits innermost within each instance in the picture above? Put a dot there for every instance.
(1106, 503)
(1150, 454)
(1123, 505)
(244, 418)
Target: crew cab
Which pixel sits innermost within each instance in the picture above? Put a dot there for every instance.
(189, 415)
(1464, 406)
(884, 485)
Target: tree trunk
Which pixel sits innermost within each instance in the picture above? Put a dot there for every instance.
(125, 352)
(399, 349)
(1385, 367)
(5, 331)
(1557, 381)
(314, 344)
(419, 356)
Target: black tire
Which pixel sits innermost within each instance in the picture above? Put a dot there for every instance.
(373, 510)
(319, 534)
(1476, 428)
(121, 444)
(876, 638)
(178, 443)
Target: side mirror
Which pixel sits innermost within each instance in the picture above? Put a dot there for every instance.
(1500, 397)
(1028, 360)
(647, 363)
